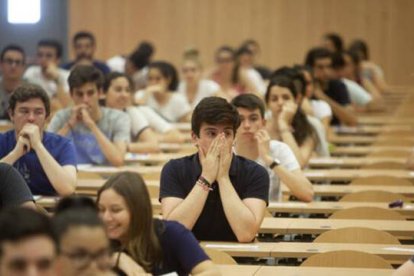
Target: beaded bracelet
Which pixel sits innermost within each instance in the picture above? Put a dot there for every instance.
(204, 186)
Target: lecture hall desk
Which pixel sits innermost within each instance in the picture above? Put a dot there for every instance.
(285, 226)
(395, 254)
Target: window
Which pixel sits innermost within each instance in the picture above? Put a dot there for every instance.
(23, 11)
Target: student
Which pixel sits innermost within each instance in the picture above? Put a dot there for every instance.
(84, 46)
(161, 95)
(158, 246)
(28, 245)
(312, 106)
(46, 161)
(361, 98)
(100, 134)
(328, 89)
(245, 58)
(136, 65)
(83, 243)
(192, 87)
(232, 79)
(333, 42)
(12, 66)
(369, 69)
(48, 75)
(13, 188)
(218, 195)
(253, 142)
(147, 127)
(288, 122)
(254, 47)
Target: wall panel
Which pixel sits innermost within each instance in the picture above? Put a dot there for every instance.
(284, 28)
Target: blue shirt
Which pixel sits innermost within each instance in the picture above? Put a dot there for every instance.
(249, 179)
(180, 249)
(61, 149)
(98, 64)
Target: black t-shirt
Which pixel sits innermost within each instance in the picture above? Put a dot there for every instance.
(13, 188)
(336, 90)
(249, 179)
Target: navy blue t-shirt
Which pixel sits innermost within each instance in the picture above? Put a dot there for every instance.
(336, 90)
(249, 179)
(180, 249)
(61, 149)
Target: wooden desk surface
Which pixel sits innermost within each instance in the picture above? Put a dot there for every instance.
(350, 162)
(395, 254)
(318, 271)
(364, 150)
(349, 174)
(329, 207)
(341, 190)
(318, 226)
(372, 129)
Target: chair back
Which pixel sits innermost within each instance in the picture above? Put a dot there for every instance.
(356, 235)
(367, 213)
(219, 257)
(373, 196)
(381, 181)
(386, 165)
(347, 258)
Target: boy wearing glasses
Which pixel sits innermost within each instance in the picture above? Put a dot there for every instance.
(12, 65)
(45, 160)
(28, 245)
(48, 75)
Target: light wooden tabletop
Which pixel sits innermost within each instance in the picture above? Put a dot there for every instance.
(350, 162)
(318, 226)
(319, 271)
(349, 174)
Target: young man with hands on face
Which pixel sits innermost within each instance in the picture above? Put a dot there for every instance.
(218, 195)
(100, 134)
(45, 160)
(253, 142)
(48, 75)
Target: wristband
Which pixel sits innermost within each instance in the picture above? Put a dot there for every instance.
(204, 182)
(204, 186)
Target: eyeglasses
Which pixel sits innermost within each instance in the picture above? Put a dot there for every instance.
(12, 62)
(82, 259)
(22, 265)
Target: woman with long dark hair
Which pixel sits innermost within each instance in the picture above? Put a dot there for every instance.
(288, 123)
(158, 246)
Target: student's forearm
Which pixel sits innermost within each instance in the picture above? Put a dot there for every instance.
(344, 115)
(188, 211)
(241, 219)
(64, 130)
(298, 185)
(10, 158)
(112, 153)
(62, 181)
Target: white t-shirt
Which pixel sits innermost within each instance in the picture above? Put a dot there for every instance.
(173, 110)
(282, 152)
(206, 88)
(322, 148)
(357, 93)
(256, 80)
(321, 109)
(155, 121)
(138, 121)
(116, 63)
(34, 75)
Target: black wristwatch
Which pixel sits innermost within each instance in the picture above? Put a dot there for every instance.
(274, 164)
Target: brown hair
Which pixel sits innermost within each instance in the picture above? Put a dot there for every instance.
(143, 244)
(214, 111)
(26, 92)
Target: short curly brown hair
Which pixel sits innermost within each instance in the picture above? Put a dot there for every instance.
(26, 92)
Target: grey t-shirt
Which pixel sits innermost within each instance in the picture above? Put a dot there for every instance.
(13, 189)
(115, 124)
